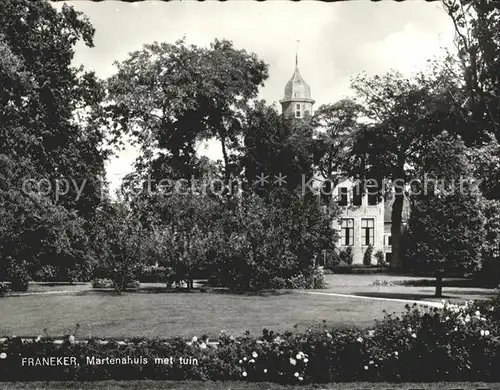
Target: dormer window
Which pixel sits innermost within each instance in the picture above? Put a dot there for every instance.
(297, 111)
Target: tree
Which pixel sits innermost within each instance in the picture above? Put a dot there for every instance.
(35, 232)
(183, 231)
(446, 227)
(275, 148)
(45, 97)
(120, 242)
(401, 118)
(477, 37)
(168, 97)
(257, 242)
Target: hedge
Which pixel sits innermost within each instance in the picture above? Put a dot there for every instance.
(456, 343)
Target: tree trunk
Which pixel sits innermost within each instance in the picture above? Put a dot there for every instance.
(396, 230)
(439, 284)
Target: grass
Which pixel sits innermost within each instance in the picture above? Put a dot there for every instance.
(102, 314)
(197, 385)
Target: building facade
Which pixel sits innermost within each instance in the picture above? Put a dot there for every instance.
(364, 218)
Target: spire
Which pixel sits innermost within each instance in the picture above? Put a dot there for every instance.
(297, 54)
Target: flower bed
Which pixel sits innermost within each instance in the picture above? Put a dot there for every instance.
(453, 343)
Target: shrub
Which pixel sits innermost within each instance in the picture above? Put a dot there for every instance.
(18, 276)
(367, 257)
(347, 255)
(4, 287)
(379, 256)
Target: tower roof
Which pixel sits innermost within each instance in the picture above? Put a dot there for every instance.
(297, 88)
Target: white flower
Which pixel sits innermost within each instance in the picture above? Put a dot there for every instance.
(447, 318)
(293, 362)
(300, 378)
(265, 370)
(254, 354)
(396, 353)
(478, 313)
(486, 332)
(203, 345)
(71, 339)
(3, 355)
(299, 356)
(296, 375)
(414, 335)
(359, 340)
(366, 367)
(371, 333)
(306, 360)
(328, 335)
(371, 362)
(409, 330)
(244, 373)
(467, 319)
(455, 329)
(245, 359)
(251, 361)
(194, 339)
(482, 332)
(241, 361)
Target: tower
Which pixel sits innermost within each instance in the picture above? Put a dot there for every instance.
(297, 102)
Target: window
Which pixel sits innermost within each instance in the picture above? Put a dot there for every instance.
(342, 196)
(296, 94)
(389, 240)
(356, 195)
(347, 231)
(367, 231)
(297, 110)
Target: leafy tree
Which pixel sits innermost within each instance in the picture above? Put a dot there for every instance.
(34, 231)
(446, 226)
(401, 118)
(44, 98)
(256, 241)
(120, 242)
(277, 154)
(168, 97)
(182, 232)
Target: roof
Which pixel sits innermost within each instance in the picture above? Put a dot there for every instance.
(297, 85)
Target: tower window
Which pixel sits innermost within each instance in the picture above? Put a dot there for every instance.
(296, 94)
(297, 110)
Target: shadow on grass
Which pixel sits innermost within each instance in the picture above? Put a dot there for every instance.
(395, 295)
(198, 290)
(467, 283)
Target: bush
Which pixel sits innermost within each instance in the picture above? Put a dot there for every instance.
(18, 276)
(347, 255)
(4, 287)
(367, 257)
(379, 256)
(456, 343)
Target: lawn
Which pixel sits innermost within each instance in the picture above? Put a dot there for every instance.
(181, 314)
(153, 314)
(196, 385)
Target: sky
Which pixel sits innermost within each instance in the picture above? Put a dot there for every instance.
(337, 41)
